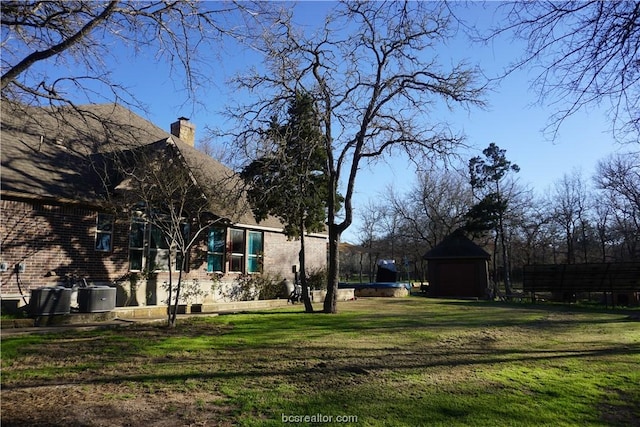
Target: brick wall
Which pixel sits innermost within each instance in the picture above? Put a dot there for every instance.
(53, 241)
(281, 254)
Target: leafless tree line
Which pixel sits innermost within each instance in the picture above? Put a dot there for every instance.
(578, 219)
(366, 68)
(582, 54)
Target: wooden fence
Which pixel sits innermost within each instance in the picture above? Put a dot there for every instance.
(575, 278)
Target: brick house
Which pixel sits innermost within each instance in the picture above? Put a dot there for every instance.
(58, 216)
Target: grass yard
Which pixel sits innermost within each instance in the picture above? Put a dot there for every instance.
(380, 362)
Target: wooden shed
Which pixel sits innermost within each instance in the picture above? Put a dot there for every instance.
(458, 268)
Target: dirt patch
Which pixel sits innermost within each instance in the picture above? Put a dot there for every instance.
(622, 413)
(105, 386)
(215, 373)
(112, 405)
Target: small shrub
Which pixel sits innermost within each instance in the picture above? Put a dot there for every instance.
(191, 292)
(270, 286)
(241, 290)
(249, 287)
(317, 279)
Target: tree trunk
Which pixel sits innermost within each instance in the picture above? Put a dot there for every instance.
(372, 266)
(585, 249)
(171, 308)
(603, 247)
(495, 260)
(569, 237)
(331, 300)
(308, 307)
(173, 312)
(505, 260)
(177, 301)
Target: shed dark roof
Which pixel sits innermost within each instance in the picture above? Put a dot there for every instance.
(53, 154)
(456, 246)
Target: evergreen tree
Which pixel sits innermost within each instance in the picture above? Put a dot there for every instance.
(488, 213)
(290, 181)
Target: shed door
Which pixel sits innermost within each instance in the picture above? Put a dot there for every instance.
(458, 279)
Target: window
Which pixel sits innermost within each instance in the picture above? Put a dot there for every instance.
(104, 233)
(237, 246)
(254, 252)
(215, 249)
(149, 247)
(136, 244)
(238, 250)
(158, 250)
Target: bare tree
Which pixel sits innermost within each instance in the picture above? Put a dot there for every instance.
(212, 147)
(175, 195)
(431, 210)
(588, 52)
(57, 52)
(389, 226)
(531, 226)
(435, 206)
(618, 179)
(373, 70)
(369, 233)
(603, 214)
(569, 205)
(620, 174)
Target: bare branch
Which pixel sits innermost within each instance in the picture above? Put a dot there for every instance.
(74, 39)
(373, 72)
(588, 52)
(67, 43)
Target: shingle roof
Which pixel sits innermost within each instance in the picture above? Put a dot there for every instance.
(54, 154)
(456, 246)
(46, 153)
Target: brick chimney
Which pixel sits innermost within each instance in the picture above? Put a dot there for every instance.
(185, 130)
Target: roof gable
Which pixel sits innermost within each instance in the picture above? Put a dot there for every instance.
(61, 154)
(456, 246)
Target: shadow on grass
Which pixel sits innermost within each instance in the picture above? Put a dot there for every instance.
(316, 364)
(441, 348)
(545, 306)
(298, 337)
(274, 329)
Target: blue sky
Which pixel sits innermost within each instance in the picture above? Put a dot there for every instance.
(513, 119)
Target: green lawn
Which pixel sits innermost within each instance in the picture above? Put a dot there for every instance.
(380, 362)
